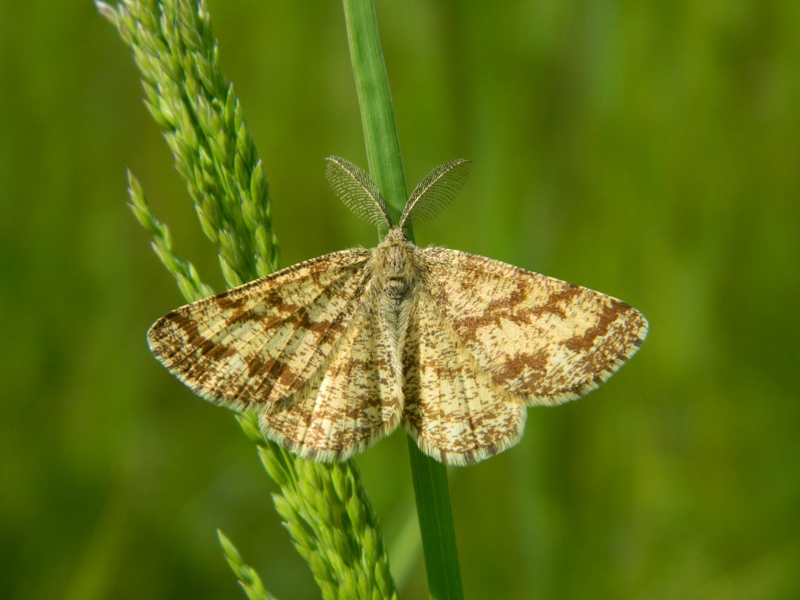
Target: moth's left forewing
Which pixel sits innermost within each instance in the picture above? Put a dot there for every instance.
(544, 339)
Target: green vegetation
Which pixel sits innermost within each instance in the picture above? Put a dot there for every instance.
(646, 151)
(324, 507)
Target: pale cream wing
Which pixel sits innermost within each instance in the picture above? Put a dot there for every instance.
(544, 339)
(261, 342)
(352, 401)
(453, 408)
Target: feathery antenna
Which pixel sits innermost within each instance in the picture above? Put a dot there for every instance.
(436, 191)
(357, 190)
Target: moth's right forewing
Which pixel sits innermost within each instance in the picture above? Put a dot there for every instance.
(261, 342)
(544, 339)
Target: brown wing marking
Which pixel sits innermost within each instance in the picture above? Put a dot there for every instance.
(262, 341)
(544, 339)
(352, 401)
(454, 411)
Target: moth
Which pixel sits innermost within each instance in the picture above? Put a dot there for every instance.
(336, 352)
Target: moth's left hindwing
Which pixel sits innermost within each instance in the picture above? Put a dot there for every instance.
(261, 342)
(453, 408)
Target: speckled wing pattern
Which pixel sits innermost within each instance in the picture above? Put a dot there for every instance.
(453, 408)
(260, 343)
(310, 349)
(542, 340)
(354, 399)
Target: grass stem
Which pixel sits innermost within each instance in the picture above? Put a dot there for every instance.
(386, 168)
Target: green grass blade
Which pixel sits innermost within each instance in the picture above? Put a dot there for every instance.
(386, 168)
(436, 525)
(375, 100)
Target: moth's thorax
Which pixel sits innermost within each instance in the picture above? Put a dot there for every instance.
(394, 265)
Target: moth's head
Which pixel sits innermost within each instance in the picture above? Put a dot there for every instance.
(361, 195)
(396, 235)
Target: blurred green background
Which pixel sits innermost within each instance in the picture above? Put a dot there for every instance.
(649, 150)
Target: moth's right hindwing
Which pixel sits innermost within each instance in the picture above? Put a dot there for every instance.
(261, 342)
